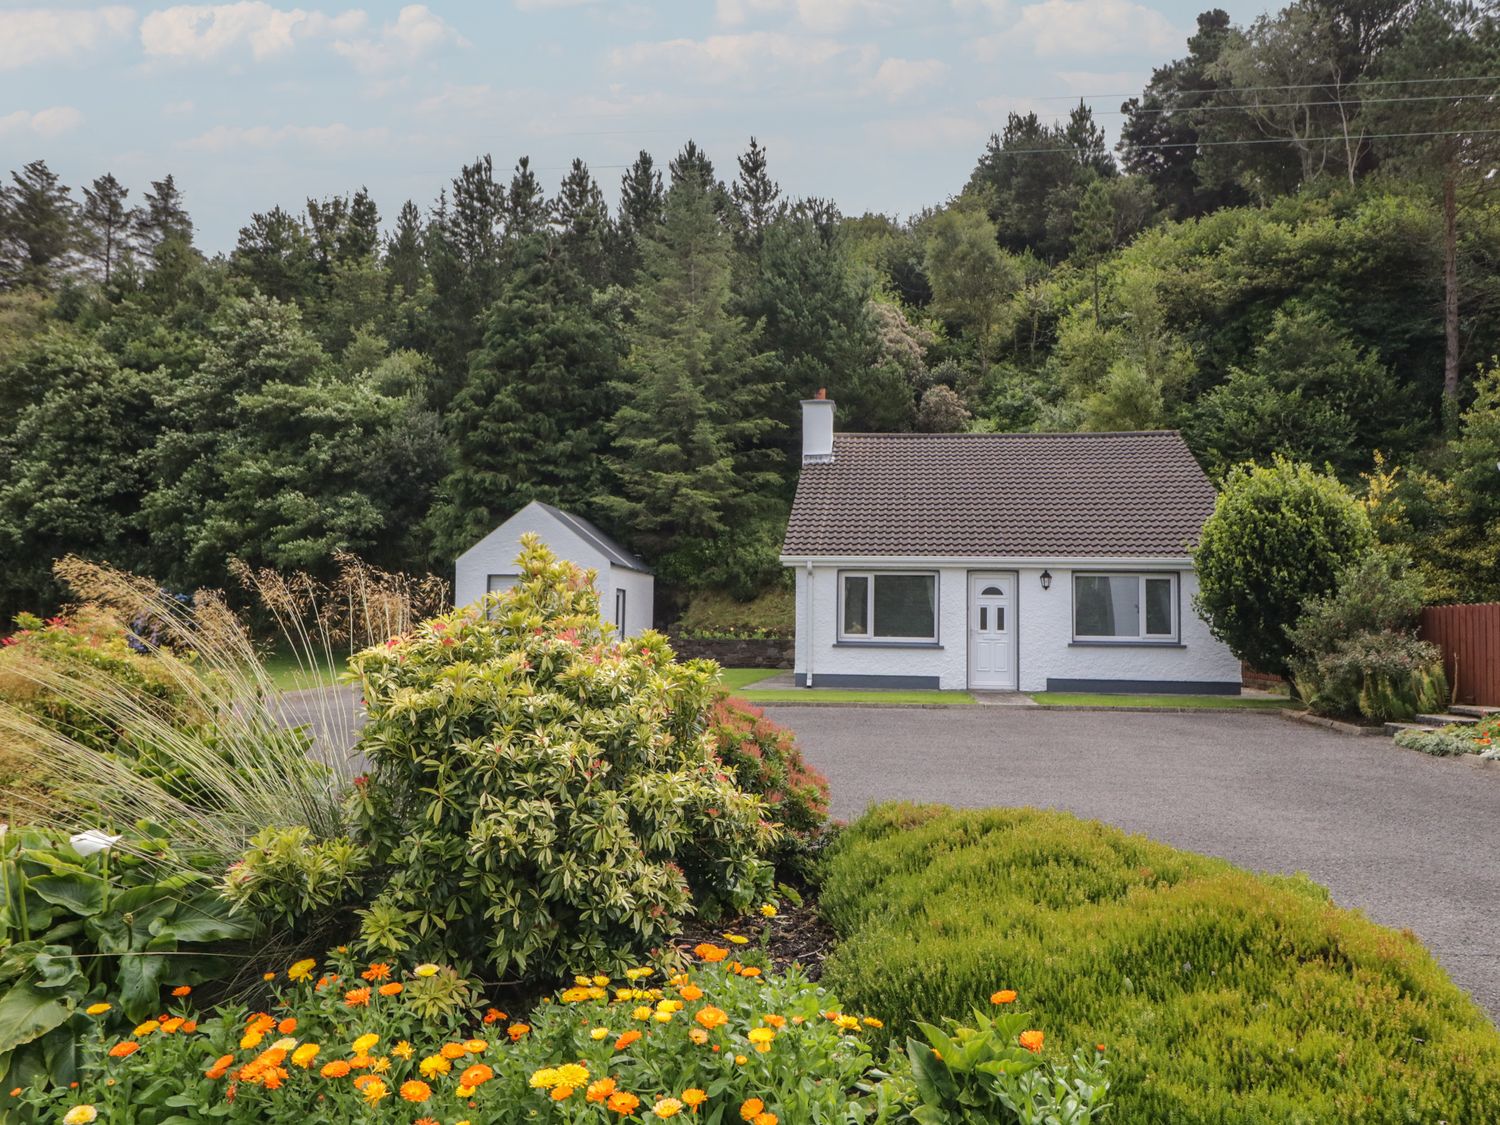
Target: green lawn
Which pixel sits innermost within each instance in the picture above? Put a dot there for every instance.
(736, 678)
(289, 674)
(1188, 702)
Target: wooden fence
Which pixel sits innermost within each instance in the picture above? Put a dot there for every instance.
(1469, 636)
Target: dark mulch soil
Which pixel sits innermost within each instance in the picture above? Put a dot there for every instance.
(798, 936)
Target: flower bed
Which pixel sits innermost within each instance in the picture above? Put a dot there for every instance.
(1481, 738)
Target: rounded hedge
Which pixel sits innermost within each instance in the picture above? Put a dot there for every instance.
(1220, 996)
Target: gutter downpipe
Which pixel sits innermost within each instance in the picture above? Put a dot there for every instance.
(811, 618)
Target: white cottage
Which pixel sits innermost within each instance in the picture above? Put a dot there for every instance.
(1000, 562)
(625, 584)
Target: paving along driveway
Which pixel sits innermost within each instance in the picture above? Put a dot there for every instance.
(1401, 836)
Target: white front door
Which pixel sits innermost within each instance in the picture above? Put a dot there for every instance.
(992, 665)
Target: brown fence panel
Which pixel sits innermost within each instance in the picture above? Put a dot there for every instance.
(1469, 636)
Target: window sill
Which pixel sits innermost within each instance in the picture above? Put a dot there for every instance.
(887, 644)
(1129, 643)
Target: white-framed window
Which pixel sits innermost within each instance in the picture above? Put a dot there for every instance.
(620, 611)
(887, 605)
(499, 583)
(1125, 607)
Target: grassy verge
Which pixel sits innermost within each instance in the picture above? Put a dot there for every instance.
(1221, 997)
(288, 673)
(1173, 702)
(834, 695)
(736, 678)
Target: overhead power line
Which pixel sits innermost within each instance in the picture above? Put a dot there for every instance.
(1258, 89)
(1352, 103)
(1260, 141)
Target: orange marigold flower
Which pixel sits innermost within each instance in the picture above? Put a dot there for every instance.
(1032, 1041)
(378, 971)
(415, 1090)
(494, 1015)
(706, 951)
(452, 1050)
(220, 1068)
(600, 1090)
(357, 997)
(750, 1107)
(476, 1075)
(711, 1017)
(561, 1093)
(1004, 996)
(171, 1026)
(476, 1046)
(749, 971)
(517, 1030)
(287, 1026)
(364, 1080)
(764, 1119)
(623, 1102)
(694, 1097)
(691, 992)
(626, 1040)
(392, 988)
(425, 1121)
(338, 1068)
(124, 1050)
(181, 990)
(773, 1020)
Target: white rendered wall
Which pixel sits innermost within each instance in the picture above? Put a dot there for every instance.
(496, 553)
(1044, 619)
(640, 590)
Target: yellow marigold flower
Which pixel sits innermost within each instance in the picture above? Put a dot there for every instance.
(415, 1091)
(403, 1050)
(638, 974)
(761, 1034)
(284, 1045)
(427, 969)
(375, 1089)
(871, 1021)
(641, 1013)
(1004, 996)
(575, 995)
(545, 1078)
(601, 981)
(302, 970)
(267, 976)
(599, 1033)
(738, 939)
(694, 1097)
(434, 1065)
(662, 1017)
(667, 1107)
(573, 1074)
(98, 1009)
(1032, 1041)
(463, 1091)
(382, 1064)
(362, 1045)
(768, 910)
(740, 1060)
(848, 1023)
(145, 1028)
(80, 1115)
(303, 1056)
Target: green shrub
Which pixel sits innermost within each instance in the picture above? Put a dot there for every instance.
(1220, 996)
(541, 794)
(764, 758)
(1383, 677)
(1279, 536)
(716, 614)
(1482, 738)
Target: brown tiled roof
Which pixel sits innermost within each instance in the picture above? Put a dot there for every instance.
(1022, 495)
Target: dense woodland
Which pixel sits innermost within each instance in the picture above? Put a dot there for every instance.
(1294, 249)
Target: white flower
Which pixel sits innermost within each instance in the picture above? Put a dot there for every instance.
(94, 840)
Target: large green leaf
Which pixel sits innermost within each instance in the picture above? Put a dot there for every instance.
(206, 918)
(27, 1013)
(140, 977)
(77, 891)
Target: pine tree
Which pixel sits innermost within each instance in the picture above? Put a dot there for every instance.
(38, 228)
(404, 252)
(755, 195)
(691, 436)
(585, 232)
(276, 255)
(642, 209)
(464, 257)
(693, 163)
(525, 203)
(107, 222)
(529, 422)
(162, 216)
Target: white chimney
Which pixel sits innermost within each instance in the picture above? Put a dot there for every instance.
(817, 429)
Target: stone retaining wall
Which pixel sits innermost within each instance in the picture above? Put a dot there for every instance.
(735, 652)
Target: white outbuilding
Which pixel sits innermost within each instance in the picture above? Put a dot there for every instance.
(625, 584)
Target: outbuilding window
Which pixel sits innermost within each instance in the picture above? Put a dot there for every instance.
(1125, 607)
(888, 605)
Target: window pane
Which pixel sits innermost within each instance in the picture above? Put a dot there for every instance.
(1106, 605)
(999, 619)
(1159, 607)
(905, 605)
(992, 592)
(984, 619)
(856, 607)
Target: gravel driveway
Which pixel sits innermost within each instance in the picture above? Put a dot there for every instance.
(1403, 837)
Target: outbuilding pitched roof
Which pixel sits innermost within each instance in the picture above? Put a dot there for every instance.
(608, 547)
(1001, 495)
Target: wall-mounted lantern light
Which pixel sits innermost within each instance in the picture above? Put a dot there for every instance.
(1046, 580)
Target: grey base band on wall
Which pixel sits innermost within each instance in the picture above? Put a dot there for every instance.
(925, 683)
(1145, 687)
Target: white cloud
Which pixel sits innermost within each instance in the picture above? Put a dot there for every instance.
(417, 31)
(35, 35)
(821, 16)
(550, 5)
(900, 78)
(929, 131)
(197, 32)
(1094, 27)
(233, 138)
(47, 122)
(728, 57)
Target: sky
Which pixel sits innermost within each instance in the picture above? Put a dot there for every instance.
(880, 105)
